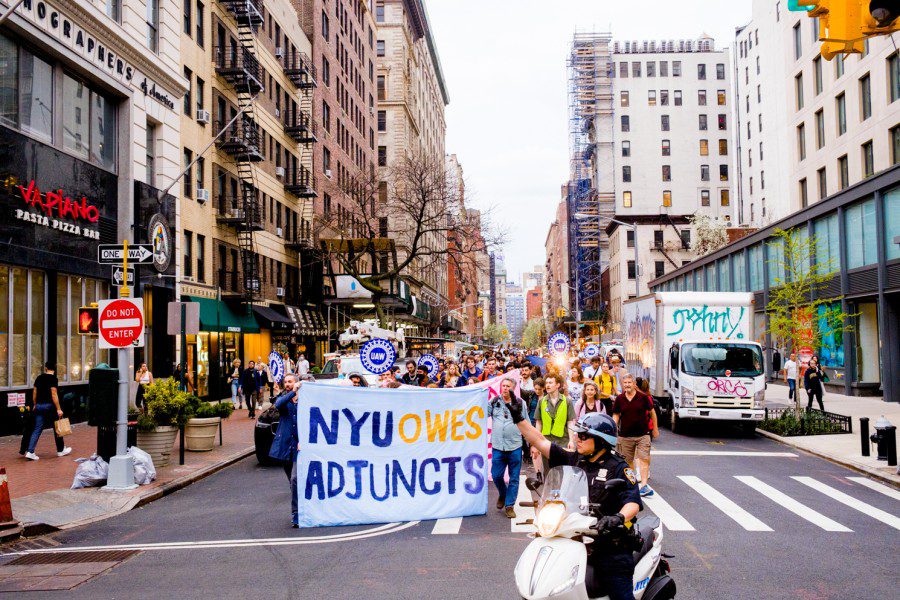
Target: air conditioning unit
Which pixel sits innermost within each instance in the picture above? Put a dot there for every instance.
(279, 52)
(202, 196)
(277, 112)
(279, 232)
(328, 173)
(279, 172)
(372, 110)
(203, 116)
(279, 292)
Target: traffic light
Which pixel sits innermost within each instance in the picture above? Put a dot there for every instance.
(885, 14)
(480, 312)
(87, 320)
(845, 24)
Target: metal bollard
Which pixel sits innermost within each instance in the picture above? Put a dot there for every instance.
(891, 442)
(864, 436)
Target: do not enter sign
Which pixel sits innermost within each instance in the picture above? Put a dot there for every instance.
(121, 323)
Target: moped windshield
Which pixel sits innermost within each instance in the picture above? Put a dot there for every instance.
(565, 484)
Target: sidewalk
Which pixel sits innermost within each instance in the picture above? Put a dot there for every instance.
(40, 491)
(843, 448)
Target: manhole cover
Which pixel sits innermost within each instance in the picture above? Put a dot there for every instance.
(45, 571)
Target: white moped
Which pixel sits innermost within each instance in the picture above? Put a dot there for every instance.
(554, 565)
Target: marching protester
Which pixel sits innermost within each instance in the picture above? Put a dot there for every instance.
(286, 443)
(607, 385)
(636, 419)
(450, 377)
(590, 401)
(46, 409)
(357, 380)
(617, 370)
(143, 377)
(470, 371)
(506, 444)
(526, 389)
(490, 369)
(593, 369)
(250, 387)
(235, 380)
(576, 381)
(411, 376)
(554, 414)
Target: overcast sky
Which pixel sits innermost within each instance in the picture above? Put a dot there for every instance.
(504, 62)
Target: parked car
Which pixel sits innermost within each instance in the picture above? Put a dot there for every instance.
(264, 435)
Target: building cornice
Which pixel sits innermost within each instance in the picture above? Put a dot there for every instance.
(418, 17)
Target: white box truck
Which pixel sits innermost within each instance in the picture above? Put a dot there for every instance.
(697, 351)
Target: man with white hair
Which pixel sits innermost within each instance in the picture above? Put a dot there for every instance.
(633, 413)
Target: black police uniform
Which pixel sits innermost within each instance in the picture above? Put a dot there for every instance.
(610, 567)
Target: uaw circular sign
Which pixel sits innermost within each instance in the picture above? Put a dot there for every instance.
(558, 343)
(377, 356)
(159, 235)
(430, 362)
(276, 366)
(591, 350)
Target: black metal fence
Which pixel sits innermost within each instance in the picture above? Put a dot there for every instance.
(790, 421)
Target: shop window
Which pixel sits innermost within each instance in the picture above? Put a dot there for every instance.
(756, 268)
(891, 223)
(739, 271)
(36, 94)
(859, 223)
(868, 359)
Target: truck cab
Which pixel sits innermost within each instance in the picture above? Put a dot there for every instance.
(716, 380)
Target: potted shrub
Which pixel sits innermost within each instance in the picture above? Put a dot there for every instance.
(201, 429)
(167, 408)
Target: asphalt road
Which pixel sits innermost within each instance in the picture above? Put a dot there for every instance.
(231, 538)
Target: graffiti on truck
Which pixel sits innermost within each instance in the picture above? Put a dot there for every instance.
(724, 321)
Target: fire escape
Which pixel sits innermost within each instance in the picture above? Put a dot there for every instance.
(298, 125)
(238, 65)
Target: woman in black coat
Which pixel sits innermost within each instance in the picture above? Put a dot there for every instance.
(813, 382)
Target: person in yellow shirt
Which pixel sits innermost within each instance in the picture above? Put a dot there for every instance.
(608, 386)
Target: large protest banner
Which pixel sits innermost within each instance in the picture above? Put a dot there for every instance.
(373, 455)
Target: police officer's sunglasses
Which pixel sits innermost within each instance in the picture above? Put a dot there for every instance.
(583, 436)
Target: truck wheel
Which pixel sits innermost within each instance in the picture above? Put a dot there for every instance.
(749, 429)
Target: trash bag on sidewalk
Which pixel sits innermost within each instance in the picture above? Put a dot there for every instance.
(91, 472)
(144, 471)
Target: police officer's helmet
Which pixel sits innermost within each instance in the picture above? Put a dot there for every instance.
(599, 426)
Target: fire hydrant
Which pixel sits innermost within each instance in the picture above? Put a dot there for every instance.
(885, 439)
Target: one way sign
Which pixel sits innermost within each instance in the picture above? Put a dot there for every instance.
(117, 275)
(110, 254)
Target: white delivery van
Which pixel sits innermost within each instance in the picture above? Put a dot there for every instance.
(697, 351)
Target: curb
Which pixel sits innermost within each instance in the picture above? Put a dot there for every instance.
(858, 468)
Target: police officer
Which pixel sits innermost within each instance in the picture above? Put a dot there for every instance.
(611, 564)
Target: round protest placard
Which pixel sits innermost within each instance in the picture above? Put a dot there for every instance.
(430, 362)
(276, 366)
(377, 356)
(591, 350)
(558, 343)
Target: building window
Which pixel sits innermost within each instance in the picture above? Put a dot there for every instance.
(626, 199)
(636, 69)
(626, 173)
(623, 69)
(187, 181)
(801, 141)
(186, 14)
(843, 172)
(759, 119)
(677, 97)
(704, 197)
(798, 90)
(651, 98)
(704, 172)
(326, 71)
(663, 97)
(723, 147)
(664, 122)
(667, 172)
(114, 10)
(89, 123)
(663, 68)
(379, 13)
(758, 93)
(676, 68)
(326, 29)
(720, 97)
(629, 238)
(841, 113)
(723, 122)
(817, 73)
(701, 97)
(667, 198)
(685, 238)
(382, 120)
(201, 257)
(720, 71)
(865, 96)
(820, 128)
(623, 98)
(188, 253)
(188, 105)
(702, 122)
(701, 71)
(666, 148)
(723, 172)
(198, 24)
(626, 148)
(868, 159)
(326, 117)
(379, 48)
(704, 147)
(381, 87)
(859, 228)
(798, 42)
(326, 159)
(760, 151)
(823, 183)
(626, 123)
(152, 15)
(893, 67)
(382, 156)
(631, 269)
(150, 153)
(651, 68)
(724, 197)
(895, 144)
(804, 198)
(200, 176)
(659, 268)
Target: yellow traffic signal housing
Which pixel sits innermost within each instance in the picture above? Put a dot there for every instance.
(480, 312)
(845, 24)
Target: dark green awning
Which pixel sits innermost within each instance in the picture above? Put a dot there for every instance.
(218, 316)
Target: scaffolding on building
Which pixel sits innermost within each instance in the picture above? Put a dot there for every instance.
(589, 208)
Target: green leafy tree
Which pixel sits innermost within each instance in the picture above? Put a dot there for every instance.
(493, 334)
(801, 313)
(533, 335)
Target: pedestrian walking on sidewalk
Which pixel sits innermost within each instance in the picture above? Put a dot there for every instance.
(302, 366)
(235, 380)
(143, 377)
(45, 399)
(636, 419)
(790, 377)
(812, 382)
(506, 447)
(285, 445)
(250, 387)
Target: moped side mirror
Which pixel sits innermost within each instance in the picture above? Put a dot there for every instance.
(614, 484)
(534, 483)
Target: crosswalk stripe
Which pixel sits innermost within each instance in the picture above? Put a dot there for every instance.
(801, 510)
(523, 513)
(447, 526)
(875, 513)
(880, 488)
(724, 453)
(671, 519)
(740, 516)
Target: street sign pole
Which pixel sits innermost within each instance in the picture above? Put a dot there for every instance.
(121, 466)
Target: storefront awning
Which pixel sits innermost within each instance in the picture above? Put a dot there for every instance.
(218, 316)
(269, 318)
(307, 321)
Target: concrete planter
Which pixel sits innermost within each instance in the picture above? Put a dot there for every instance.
(158, 444)
(200, 434)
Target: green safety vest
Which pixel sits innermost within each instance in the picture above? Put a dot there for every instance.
(555, 427)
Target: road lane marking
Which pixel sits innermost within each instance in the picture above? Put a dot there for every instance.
(245, 543)
(671, 519)
(523, 513)
(875, 513)
(878, 487)
(447, 526)
(740, 516)
(723, 453)
(801, 510)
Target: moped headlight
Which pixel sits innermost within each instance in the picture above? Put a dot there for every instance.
(687, 398)
(550, 518)
(568, 584)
